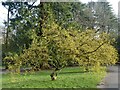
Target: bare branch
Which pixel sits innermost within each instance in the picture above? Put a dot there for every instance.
(95, 49)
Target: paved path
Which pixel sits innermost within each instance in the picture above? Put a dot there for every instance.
(2, 71)
(111, 79)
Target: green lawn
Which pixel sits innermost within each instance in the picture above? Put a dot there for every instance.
(70, 77)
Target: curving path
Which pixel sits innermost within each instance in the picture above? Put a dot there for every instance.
(112, 79)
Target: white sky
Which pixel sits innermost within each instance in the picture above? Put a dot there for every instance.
(3, 11)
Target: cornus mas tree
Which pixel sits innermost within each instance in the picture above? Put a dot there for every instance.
(58, 46)
(55, 40)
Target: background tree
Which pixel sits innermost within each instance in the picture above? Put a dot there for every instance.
(23, 19)
(103, 17)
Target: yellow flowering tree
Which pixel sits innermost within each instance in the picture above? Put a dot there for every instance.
(57, 46)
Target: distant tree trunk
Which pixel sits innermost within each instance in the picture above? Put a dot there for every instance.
(41, 13)
(108, 29)
(6, 41)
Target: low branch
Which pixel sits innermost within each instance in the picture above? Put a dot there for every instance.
(31, 6)
(95, 49)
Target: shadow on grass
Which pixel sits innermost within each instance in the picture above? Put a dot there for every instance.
(74, 72)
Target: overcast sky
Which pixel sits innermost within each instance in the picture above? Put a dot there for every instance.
(3, 11)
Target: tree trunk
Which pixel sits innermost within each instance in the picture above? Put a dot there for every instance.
(41, 15)
(6, 42)
(53, 75)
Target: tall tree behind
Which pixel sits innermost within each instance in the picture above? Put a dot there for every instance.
(104, 18)
(23, 19)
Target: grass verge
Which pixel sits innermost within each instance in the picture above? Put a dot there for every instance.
(70, 77)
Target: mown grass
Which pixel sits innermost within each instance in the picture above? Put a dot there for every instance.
(70, 77)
